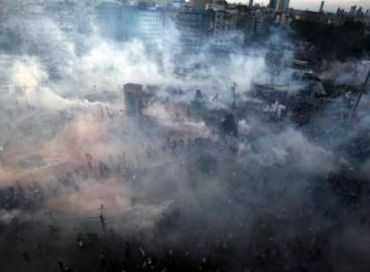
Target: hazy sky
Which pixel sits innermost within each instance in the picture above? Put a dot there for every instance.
(315, 4)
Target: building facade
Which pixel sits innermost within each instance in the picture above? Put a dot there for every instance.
(272, 4)
(194, 26)
(282, 5)
(108, 17)
(126, 22)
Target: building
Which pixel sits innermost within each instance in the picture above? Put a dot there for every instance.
(108, 18)
(224, 30)
(259, 25)
(314, 16)
(199, 4)
(272, 4)
(146, 24)
(176, 4)
(261, 21)
(225, 21)
(136, 99)
(125, 22)
(194, 26)
(282, 5)
(322, 6)
(244, 20)
(72, 17)
(152, 23)
(359, 12)
(220, 21)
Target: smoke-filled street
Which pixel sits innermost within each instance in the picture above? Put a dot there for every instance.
(183, 136)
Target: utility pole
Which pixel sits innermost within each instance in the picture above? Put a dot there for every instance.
(102, 218)
(355, 107)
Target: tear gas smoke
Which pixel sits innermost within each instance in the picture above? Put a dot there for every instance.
(68, 146)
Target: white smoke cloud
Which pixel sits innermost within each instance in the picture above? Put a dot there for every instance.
(91, 153)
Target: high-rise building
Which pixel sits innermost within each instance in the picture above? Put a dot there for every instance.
(282, 5)
(359, 12)
(125, 22)
(262, 19)
(353, 10)
(146, 24)
(272, 4)
(322, 6)
(250, 3)
(108, 17)
(198, 4)
(286, 4)
(192, 25)
(225, 20)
